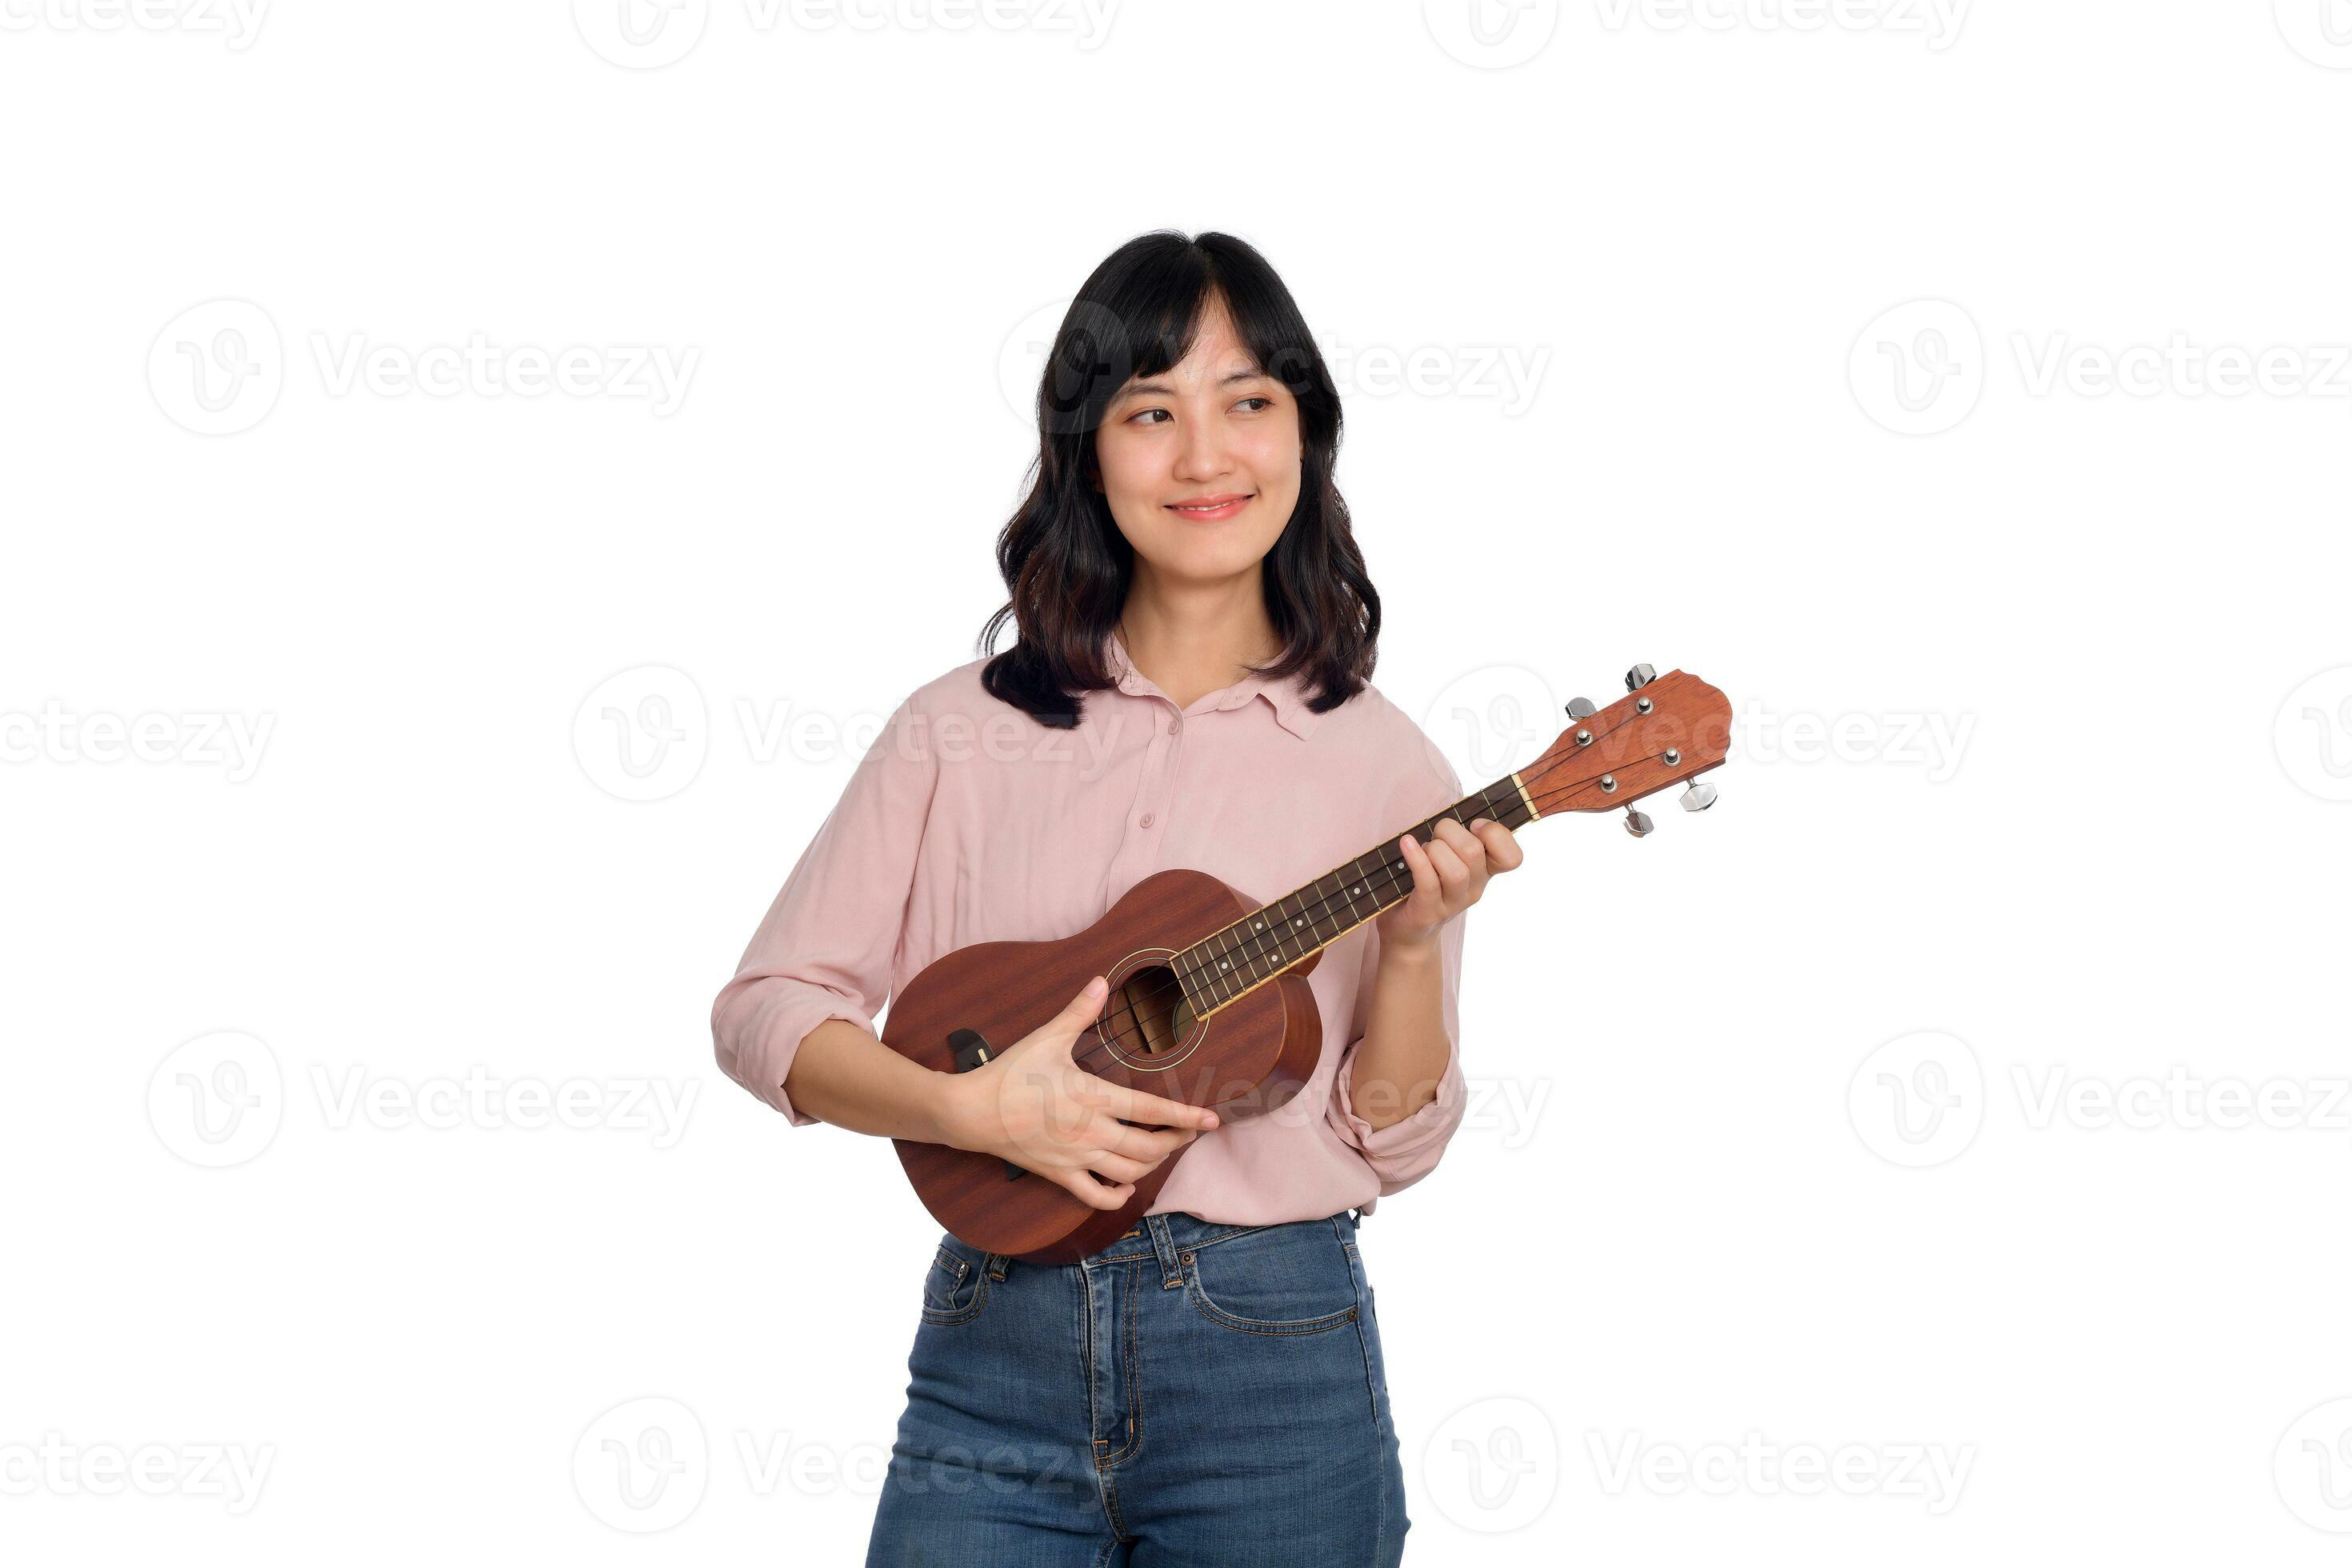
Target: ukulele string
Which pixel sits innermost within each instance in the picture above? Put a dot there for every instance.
(1397, 871)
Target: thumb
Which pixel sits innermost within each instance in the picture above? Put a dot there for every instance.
(1084, 1006)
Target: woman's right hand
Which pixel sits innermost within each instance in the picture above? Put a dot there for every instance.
(1034, 1106)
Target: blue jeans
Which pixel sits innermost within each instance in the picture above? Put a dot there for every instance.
(1194, 1395)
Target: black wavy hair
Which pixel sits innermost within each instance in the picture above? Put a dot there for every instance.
(1066, 565)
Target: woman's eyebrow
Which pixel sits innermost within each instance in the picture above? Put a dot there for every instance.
(1161, 389)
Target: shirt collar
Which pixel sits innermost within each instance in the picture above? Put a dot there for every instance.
(1287, 697)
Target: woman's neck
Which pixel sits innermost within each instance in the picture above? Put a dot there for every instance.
(1189, 649)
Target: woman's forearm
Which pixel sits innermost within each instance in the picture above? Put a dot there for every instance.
(1404, 1049)
(843, 1075)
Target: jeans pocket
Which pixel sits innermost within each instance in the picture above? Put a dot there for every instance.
(1375, 1362)
(955, 1286)
(1293, 1279)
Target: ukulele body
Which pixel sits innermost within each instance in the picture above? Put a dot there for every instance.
(1246, 1057)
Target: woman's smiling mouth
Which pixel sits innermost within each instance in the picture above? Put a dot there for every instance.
(1209, 508)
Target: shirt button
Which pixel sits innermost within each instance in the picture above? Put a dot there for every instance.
(1147, 820)
(1175, 725)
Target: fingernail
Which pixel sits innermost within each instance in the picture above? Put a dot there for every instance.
(1095, 986)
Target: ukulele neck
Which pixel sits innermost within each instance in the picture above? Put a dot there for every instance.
(1266, 942)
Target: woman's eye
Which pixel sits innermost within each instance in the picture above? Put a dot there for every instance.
(1161, 411)
(1267, 401)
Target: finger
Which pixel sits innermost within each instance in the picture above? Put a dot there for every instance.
(1082, 1009)
(1088, 1001)
(1465, 844)
(1504, 850)
(1451, 872)
(1134, 1105)
(1081, 1185)
(1118, 1167)
(1424, 875)
(1137, 1143)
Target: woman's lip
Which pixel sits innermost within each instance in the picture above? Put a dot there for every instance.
(1210, 513)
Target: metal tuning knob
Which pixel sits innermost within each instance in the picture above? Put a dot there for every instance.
(1581, 707)
(1637, 823)
(1638, 676)
(1698, 797)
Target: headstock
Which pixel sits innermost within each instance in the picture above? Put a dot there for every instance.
(1666, 730)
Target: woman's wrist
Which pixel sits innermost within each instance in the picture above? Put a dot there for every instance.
(952, 1112)
(1412, 951)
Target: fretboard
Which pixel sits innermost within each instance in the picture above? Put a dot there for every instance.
(1263, 943)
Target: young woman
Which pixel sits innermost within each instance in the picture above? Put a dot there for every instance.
(1188, 688)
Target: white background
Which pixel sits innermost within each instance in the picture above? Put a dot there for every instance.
(2044, 741)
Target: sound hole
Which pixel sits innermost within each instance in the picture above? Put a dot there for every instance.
(1148, 1015)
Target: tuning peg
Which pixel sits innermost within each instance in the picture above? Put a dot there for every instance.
(1581, 707)
(1638, 823)
(1638, 676)
(1698, 797)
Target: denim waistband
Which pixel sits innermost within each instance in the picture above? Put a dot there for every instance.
(1164, 1236)
(1181, 1231)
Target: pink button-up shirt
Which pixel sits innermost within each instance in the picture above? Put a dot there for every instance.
(967, 822)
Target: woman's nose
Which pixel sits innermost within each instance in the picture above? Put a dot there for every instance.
(1201, 454)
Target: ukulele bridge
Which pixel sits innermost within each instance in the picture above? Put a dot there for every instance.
(971, 1050)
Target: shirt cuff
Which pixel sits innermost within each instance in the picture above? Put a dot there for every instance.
(760, 1033)
(1407, 1149)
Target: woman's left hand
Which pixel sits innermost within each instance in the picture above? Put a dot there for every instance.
(1448, 876)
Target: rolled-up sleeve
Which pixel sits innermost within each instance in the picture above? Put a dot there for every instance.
(1408, 1149)
(825, 948)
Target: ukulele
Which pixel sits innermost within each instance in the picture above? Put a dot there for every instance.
(1209, 1003)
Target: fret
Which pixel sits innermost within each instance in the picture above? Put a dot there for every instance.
(1275, 938)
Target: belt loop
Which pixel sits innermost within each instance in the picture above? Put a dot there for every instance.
(994, 1264)
(1172, 1271)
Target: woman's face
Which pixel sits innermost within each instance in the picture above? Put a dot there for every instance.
(1199, 464)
